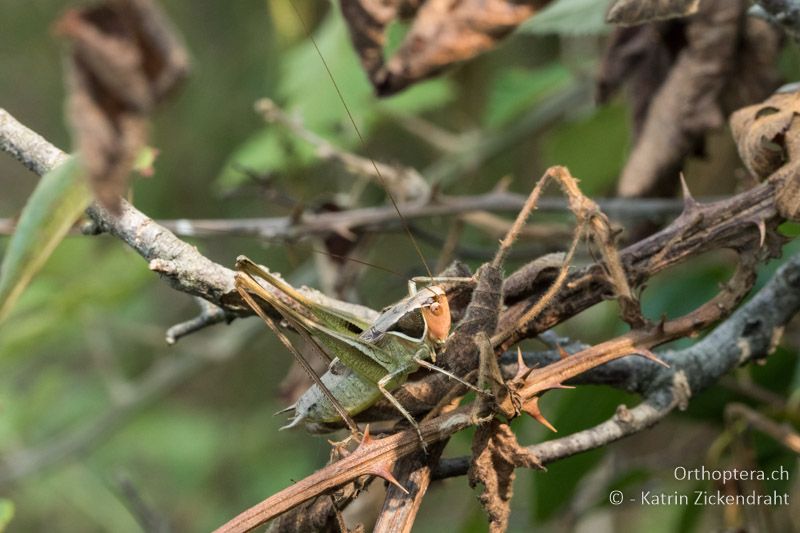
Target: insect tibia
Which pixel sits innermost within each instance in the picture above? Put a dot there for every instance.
(434, 368)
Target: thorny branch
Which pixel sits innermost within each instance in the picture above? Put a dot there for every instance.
(739, 222)
(749, 334)
(522, 392)
(723, 224)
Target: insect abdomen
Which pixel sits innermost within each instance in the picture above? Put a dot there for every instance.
(354, 392)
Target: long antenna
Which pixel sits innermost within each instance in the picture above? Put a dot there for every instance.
(361, 137)
(355, 260)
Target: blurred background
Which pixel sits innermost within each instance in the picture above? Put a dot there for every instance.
(102, 423)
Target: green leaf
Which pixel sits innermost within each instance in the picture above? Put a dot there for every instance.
(603, 136)
(305, 83)
(421, 97)
(570, 18)
(58, 200)
(516, 90)
(6, 513)
(305, 89)
(262, 152)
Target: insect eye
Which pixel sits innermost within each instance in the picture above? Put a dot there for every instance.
(436, 308)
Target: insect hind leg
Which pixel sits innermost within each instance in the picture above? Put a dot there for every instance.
(397, 405)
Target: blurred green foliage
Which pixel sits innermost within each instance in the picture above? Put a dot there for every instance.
(84, 370)
(60, 198)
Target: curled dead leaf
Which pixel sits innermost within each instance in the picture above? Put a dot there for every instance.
(768, 138)
(442, 32)
(684, 77)
(124, 59)
(639, 59)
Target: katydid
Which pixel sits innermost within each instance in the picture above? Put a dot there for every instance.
(369, 359)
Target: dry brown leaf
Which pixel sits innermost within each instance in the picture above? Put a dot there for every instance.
(367, 21)
(768, 138)
(639, 58)
(495, 455)
(632, 12)
(443, 32)
(124, 58)
(718, 60)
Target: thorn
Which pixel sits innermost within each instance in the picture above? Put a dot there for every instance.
(762, 231)
(532, 408)
(523, 370)
(562, 386)
(366, 439)
(647, 354)
(689, 203)
(661, 323)
(383, 471)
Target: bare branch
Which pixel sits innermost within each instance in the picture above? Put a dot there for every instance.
(384, 218)
(145, 515)
(178, 262)
(414, 473)
(209, 315)
(27, 146)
